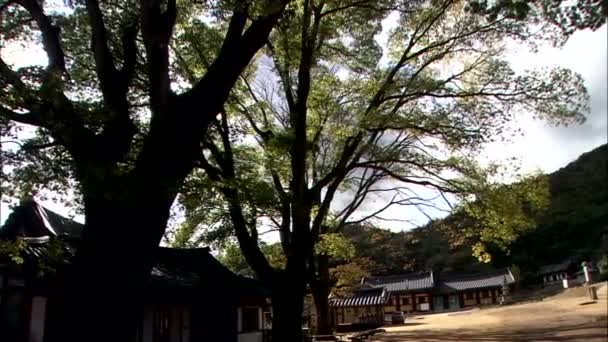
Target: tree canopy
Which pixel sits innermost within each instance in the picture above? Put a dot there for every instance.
(263, 114)
(354, 118)
(111, 121)
(330, 119)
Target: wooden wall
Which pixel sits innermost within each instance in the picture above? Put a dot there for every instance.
(359, 314)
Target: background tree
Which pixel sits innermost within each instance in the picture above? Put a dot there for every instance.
(570, 224)
(110, 120)
(347, 123)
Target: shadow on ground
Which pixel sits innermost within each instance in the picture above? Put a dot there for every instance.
(590, 332)
(587, 303)
(407, 324)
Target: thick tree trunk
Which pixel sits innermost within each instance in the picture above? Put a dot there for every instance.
(320, 288)
(104, 294)
(99, 309)
(287, 308)
(320, 293)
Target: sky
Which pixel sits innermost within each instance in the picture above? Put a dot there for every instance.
(541, 147)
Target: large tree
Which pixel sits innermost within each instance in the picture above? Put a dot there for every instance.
(348, 123)
(108, 115)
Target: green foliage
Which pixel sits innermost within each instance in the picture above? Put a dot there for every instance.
(54, 254)
(425, 248)
(347, 276)
(574, 224)
(603, 265)
(517, 274)
(502, 213)
(567, 15)
(13, 250)
(335, 245)
(567, 224)
(232, 257)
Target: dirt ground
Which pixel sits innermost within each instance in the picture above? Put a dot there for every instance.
(569, 316)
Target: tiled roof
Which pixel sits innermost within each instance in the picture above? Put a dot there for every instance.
(476, 281)
(32, 220)
(442, 283)
(362, 298)
(554, 268)
(193, 268)
(407, 282)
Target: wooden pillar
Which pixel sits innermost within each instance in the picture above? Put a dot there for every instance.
(398, 299)
(493, 296)
(413, 301)
(461, 300)
(477, 297)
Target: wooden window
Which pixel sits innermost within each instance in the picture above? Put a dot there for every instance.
(405, 301)
(161, 325)
(469, 295)
(268, 319)
(422, 300)
(250, 319)
(485, 293)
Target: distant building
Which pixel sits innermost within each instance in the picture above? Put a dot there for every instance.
(190, 296)
(419, 293)
(365, 307)
(554, 274)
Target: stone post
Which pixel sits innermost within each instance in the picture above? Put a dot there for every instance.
(504, 298)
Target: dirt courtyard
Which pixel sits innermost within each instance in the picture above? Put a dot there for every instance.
(569, 316)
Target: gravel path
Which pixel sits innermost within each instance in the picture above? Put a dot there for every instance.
(569, 316)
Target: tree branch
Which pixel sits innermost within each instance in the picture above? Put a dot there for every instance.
(234, 56)
(118, 129)
(408, 179)
(104, 63)
(8, 76)
(27, 118)
(283, 71)
(157, 27)
(50, 35)
(129, 47)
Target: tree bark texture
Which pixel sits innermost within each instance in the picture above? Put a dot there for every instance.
(103, 296)
(320, 287)
(287, 306)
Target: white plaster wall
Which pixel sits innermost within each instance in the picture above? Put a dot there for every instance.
(239, 319)
(37, 319)
(255, 336)
(147, 324)
(251, 337)
(185, 325)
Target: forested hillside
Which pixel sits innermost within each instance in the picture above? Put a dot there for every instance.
(575, 225)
